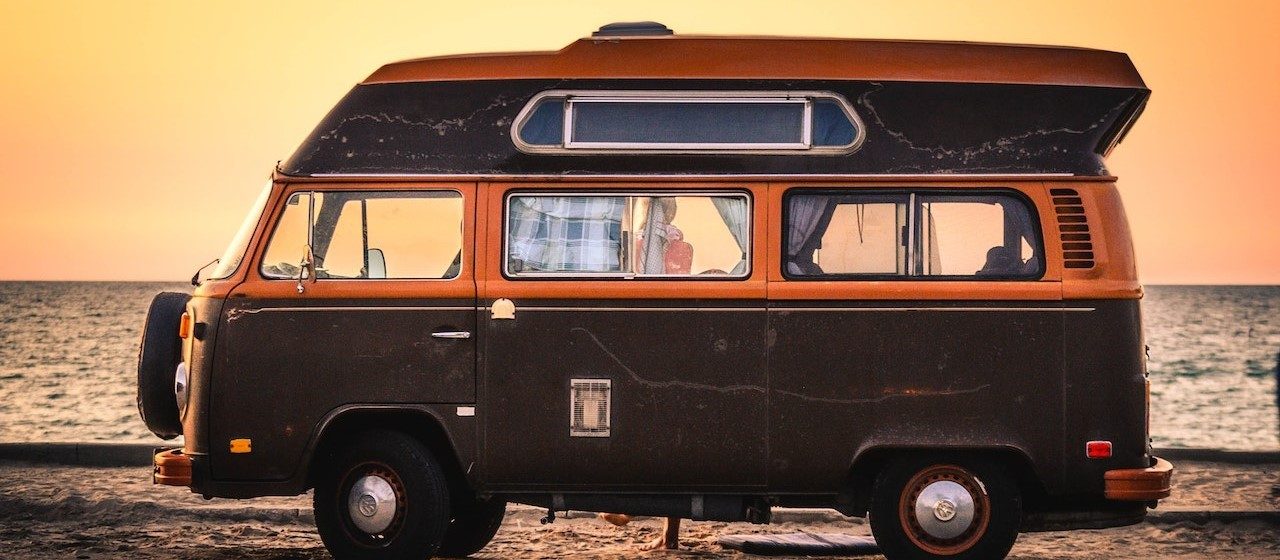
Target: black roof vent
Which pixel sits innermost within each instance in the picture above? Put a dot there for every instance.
(632, 29)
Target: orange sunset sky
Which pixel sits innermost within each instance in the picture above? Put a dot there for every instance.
(134, 135)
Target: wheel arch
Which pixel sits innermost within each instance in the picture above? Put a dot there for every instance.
(419, 422)
(868, 463)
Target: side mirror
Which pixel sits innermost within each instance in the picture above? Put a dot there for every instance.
(377, 264)
(196, 279)
(306, 268)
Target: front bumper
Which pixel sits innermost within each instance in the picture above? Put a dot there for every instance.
(1140, 485)
(171, 468)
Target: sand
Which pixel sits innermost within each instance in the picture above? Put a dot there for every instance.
(91, 513)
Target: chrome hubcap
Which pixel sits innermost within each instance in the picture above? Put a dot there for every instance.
(180, 386)
(371, 503)
(944, 509)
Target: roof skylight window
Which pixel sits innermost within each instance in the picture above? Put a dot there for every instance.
(683, 122)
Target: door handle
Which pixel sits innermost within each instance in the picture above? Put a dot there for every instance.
(452, 334)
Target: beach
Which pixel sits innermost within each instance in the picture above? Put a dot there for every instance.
(417, 259)
(1218, 510)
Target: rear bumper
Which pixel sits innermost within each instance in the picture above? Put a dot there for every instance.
(171, 468)
(1140, 485)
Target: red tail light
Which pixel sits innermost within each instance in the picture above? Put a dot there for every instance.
(1097, 449)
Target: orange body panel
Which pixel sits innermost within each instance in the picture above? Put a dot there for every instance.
(1115, 272)
(1113, 277)
(690, 56)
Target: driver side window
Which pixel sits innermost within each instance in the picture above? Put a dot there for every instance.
(288, 246)
(369, 235)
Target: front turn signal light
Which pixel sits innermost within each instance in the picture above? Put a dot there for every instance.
(184, 326)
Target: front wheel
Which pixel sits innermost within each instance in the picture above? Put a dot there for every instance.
(938, 507)
(383, 495)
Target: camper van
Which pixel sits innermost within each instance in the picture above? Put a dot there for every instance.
(687, 276)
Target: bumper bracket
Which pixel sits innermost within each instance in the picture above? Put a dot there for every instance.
(171, 468)
(1140, 485)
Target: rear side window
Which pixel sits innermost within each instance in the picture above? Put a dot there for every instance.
(910, 235)
(986, 236)
(369, 235)
(628, 235)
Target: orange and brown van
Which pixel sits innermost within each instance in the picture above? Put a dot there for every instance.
(684, 276)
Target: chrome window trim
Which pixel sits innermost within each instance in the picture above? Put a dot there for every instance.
(569, 147)
(911, 236)
(354, 308)
(914, 224)
(506, 238)
(932, 309)
(781, 309)
(571, 309)
(806, 125)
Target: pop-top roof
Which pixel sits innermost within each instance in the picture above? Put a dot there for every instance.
(636, 100)
(650, 50)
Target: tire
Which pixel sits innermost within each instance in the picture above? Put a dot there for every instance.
(353, 523)
(158, 357)
(908, 527)
(474, 524)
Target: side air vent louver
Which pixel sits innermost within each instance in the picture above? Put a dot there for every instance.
(1073, 229)
(589, 407)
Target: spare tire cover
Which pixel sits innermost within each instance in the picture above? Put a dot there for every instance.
(158, 357)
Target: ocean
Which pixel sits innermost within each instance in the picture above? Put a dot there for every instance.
(68, 353)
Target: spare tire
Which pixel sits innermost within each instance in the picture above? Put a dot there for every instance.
(158, 357)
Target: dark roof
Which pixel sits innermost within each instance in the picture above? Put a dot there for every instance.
(464, 127)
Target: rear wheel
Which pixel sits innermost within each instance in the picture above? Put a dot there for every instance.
(382, 496)
(942, 507)
(474, 524)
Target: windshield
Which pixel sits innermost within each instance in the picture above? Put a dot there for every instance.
(230, 260)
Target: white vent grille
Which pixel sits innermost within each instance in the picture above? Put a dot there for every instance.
(589, 407)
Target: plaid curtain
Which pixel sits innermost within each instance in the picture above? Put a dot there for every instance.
(565, 233)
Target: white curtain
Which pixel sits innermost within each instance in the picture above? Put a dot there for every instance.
(653, 261)
(734, 213)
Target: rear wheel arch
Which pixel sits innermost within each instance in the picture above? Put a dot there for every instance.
(418, 423)
(869, 462)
